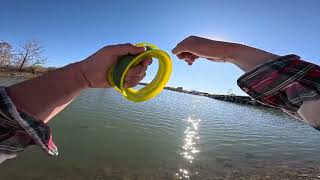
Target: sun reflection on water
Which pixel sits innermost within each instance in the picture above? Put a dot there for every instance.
(189, 148)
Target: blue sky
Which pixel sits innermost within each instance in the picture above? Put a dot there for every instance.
(72, 30)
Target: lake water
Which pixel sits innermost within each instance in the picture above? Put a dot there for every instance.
(174, 136)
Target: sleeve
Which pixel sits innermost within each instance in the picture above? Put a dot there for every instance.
(18, 130)
(286, 83)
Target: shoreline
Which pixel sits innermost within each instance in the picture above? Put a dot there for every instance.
(22, 75)
(229, 98)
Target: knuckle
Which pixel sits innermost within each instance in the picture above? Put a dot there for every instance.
(136, 79)
(191, 37)
(124, 45)
(128, 45)
(142, 72)
(107, 46)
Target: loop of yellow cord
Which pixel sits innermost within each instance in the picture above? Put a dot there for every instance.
(156, 85)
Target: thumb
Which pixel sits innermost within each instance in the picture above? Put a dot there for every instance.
(177, 49)
(180, 48)
(125, 49)
(183, 46)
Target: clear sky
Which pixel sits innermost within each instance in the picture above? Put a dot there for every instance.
(72, 30)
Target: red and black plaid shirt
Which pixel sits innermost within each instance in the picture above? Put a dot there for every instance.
(18, 130)
(283, 83)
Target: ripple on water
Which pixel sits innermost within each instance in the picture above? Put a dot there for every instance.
(105, 136)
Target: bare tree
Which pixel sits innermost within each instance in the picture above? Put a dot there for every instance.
(6, 55)
(30, 54)
(230, 93)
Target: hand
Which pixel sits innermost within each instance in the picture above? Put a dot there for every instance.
(194, 47)
(49, 94)
(245, 57)
(95, 67)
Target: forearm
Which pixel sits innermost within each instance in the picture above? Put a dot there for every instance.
(246, 57)
(39, 99)
(45, 96)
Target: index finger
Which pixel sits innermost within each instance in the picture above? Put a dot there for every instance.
(178, 49)
(146, 62)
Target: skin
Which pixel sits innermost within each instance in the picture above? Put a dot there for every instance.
(45, 96)
(245, 57)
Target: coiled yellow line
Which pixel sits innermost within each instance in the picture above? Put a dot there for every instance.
(117, 74)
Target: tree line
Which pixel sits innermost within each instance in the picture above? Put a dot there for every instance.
(29, 56)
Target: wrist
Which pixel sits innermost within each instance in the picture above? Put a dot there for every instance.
(45, 96)
(246, 57)
(220, 50)
(77, 72)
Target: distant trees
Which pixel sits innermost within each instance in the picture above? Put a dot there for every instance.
(230, 93)
(180, 88)
(30, 55)
(6, 55)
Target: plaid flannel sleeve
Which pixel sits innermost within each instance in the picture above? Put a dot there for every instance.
(283, 83)
(18, 130)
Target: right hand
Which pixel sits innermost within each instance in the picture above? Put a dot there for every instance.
(245, 57)
(96, 66)
(194, 47)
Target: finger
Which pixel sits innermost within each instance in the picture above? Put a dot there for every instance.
(130, 84)
(193, 57)
(189, 58)
(138, 70)
(184, 45)
(185, 55)
(178, 49)
(180, 56)
(134, 78)
(190, 62)
(124, 49)
(146, 62)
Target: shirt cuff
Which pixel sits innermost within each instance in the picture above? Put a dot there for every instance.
(283, 83)
(18, 130)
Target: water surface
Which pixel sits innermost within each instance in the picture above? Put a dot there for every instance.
(174, 136)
